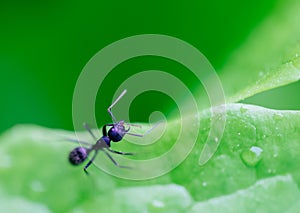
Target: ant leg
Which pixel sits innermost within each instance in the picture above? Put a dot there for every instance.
(113, 104)
(87, 127)
(104, 131)
(89, 163)
(118, 152)
(78, 141)
(111, 158)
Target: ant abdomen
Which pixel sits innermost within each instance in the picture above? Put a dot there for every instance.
(78, 155)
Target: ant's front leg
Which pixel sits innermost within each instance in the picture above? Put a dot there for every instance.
(113, 104)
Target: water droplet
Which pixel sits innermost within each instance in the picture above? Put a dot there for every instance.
(277, 116)
(204, 184)
(275, 152)
(216, 139)
(296, 61)
(158, 204)
(36, 186)
(243, 110)
(239, 133)
(271, 171)
(257, 150)
(252, 156)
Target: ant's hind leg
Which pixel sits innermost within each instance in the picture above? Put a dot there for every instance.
(89, 163)
(118, 152)
(114, 162)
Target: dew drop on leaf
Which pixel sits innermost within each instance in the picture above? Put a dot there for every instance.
(271, 171)
(296, 61)
(252, 156)
(277, 116)
(37, 186)
(243, 110)
(158, 203)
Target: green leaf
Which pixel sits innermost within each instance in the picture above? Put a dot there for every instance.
(275, 132)
(34, 165)
(269, 58)
(275, 194)
(19, 204)
(258, 156)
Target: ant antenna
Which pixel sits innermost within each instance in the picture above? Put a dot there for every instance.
(113, 104)
(136, 125)
(146, 133)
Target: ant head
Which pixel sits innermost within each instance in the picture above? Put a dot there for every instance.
(78, 155)
(117, 132)
(120, 126)
(121, 123)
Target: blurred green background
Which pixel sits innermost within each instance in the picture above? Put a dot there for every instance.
(44, 46)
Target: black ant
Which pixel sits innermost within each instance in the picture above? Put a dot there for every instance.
(115, 134)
